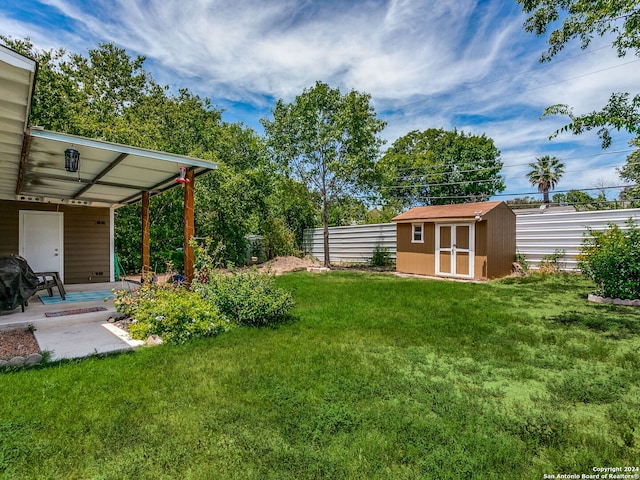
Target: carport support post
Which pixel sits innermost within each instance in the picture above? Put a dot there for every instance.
(189, 228)
(146, 257)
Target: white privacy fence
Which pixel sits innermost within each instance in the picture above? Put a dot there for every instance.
(537, 235)
(353, 244)
(541, 234)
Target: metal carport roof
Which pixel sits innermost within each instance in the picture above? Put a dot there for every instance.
(32, 159)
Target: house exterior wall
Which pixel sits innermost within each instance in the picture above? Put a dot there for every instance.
(87, 248)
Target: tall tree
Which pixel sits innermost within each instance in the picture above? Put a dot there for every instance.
(545, 173)
(631, 173)
(327, 140)
(437, 166)
(583, 20)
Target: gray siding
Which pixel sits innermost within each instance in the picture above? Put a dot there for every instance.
(353, 244)
(541, 234)
(537, 235)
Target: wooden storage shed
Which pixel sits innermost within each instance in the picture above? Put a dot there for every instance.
(472, 240)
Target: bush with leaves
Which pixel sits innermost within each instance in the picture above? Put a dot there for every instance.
(175, 314)
(612, 259)
(381, 257)
(248, 298)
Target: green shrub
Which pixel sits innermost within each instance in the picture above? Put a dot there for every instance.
(612, 259)
(175, 314)
(381, 257)
(522, 260)
(248, 298)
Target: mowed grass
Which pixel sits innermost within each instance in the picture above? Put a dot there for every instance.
(379, 377)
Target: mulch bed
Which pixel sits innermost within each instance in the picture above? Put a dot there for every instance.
(15, 343)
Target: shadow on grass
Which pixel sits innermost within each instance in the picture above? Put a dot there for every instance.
(616, 321)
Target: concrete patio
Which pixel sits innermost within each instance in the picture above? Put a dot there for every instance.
(76, 335)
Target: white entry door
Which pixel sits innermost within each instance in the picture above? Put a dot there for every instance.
(41, 240)
(455, 249)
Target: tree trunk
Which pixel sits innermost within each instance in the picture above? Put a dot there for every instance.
(325, 216)
(325, 226)
(545, 194)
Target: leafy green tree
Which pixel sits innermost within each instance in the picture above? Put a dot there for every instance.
(347, 211)
(327, 140)
(524, 202)
(581, 201)
(545, 174)
(298, 208)
(568, 20)
(631, 173)
(437, 166)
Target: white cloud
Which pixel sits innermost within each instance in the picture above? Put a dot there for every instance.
(451, 63)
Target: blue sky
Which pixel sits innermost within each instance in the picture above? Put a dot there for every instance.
(450, 63)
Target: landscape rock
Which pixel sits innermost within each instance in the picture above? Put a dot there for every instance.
(613, 301)
(517, 269)
(154, 340)
(3, 363)
(16, 361)
(33, 359)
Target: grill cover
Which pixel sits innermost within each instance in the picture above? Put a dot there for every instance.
(17, 282)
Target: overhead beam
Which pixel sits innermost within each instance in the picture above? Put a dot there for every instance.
(161, 187)
(97, 178)
(24, 155)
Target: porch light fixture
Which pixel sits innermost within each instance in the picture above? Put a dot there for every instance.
(183, 176)
(71, 160)
(478, 217)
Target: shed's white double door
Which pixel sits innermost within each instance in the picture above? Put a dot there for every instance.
(455, 249)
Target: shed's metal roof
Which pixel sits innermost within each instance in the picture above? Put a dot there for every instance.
(457, 211)
(32, 160)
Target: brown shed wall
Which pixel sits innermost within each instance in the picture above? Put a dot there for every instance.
(86, 238)
(501, 245)
(481, 252)
(495, 245)
(416, 258)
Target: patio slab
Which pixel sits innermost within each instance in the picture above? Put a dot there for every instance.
(72, 336)
(78, 340)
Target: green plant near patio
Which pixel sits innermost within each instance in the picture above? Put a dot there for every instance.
(611, 258)
(247, 297)
(380, 377)
(175, 314)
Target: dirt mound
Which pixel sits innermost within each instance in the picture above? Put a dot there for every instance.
(280, 265)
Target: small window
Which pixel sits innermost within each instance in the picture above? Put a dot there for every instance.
(417, 233)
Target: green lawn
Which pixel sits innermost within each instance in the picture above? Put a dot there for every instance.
(379, 377)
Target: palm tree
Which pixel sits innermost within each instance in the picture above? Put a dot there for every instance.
(545, 172)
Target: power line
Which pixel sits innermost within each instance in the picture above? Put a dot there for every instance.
(479, 169)
(472, 196)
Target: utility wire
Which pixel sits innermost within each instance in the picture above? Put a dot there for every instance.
(472, 196)
(612, 152)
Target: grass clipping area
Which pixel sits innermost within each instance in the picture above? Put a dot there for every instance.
(379, 377)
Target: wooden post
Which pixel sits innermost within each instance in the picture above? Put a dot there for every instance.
(189, 228)
(146, 257)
